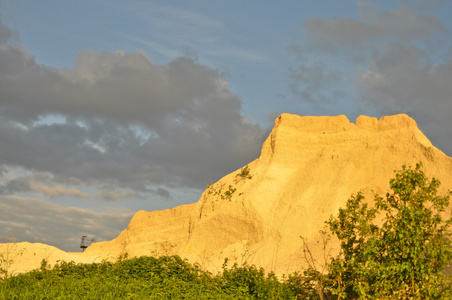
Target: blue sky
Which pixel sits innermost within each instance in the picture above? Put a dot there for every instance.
(109, 107)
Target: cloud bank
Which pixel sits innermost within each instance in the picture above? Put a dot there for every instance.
(114, 127)
(393, 60)
(125, 119)
(29, 219)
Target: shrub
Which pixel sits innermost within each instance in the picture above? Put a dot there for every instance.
(165, 277)
(403, 258)
(245, 173)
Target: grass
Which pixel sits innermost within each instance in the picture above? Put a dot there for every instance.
(166, 277)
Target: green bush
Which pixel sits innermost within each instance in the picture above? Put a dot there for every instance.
(403, 255)
(166, 277)
(252, 281)
(245, 173)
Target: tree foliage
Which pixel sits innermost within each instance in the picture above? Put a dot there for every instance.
(396, 249)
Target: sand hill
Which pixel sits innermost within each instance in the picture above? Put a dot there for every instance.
(308, 168)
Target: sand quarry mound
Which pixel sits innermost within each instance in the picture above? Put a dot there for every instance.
(308, 168)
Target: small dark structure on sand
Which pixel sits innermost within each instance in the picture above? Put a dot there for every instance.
(85, 242)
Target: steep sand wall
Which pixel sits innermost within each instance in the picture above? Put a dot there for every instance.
(308, 168)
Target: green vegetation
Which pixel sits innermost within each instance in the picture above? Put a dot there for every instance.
(395, 250)
(226, 195)
(245, 173)
(166, 277)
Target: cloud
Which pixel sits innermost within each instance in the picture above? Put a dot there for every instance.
(5, 34)
(126, 121)
(113, 194)
(314, 82)
(115, 127)
(163, 193)
(179, 28)
(373, 25)
(346, 32)
(36, 220)
(58, 191)
(402, 81)
(397, 57)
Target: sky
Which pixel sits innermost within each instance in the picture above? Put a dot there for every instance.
(110, 107)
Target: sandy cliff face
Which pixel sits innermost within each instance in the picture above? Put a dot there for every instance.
(308, 168)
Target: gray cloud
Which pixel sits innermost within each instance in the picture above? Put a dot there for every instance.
(115, 127)
(36, 220)
(128, 121)
(45, 185)
(163, 193)
(402, 80)
(373, 25)
(346, 32)
(397, 58)
(314, 82)
(5, 34)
